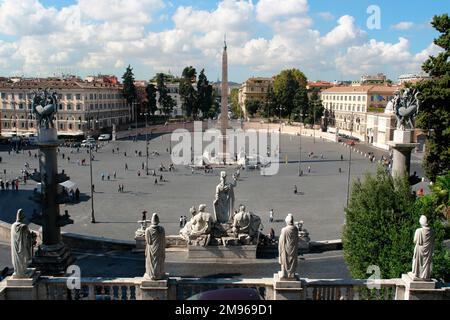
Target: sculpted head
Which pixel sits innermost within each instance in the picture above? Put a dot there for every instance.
(289, 219)
(423, 221)
(155, 219)
(223, 176)
(242, 208)
(20, 216)
(202, 207)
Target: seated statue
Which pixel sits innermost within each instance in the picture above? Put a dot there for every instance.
(245, 222)
(199, 225)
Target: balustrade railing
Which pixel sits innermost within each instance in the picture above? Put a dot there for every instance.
(55, 288)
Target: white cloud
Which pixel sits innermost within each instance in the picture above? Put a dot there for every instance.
(128, 11)
(97, 36)
(325, 15)
(271, 10)
(344, 33)
(404, 25)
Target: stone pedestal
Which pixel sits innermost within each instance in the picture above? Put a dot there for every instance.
(222, 253)
(155, 289)
(286, 289)
(22, 288)
(53, 259)
(402, 148)
(414, 289)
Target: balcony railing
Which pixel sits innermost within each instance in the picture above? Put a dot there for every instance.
(52, 288)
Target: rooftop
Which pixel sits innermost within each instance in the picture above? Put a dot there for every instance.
(362, 89)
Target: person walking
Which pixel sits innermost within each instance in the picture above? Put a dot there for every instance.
(115, 175)
(342, 157)
(295, 189)
(181, 221)
(156, 181)
(271, 215)
(309, 169)
(126, 167)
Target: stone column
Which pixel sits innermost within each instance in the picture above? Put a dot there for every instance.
(402, 148)
(52, 256)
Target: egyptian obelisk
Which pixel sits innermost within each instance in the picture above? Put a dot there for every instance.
(224, 103)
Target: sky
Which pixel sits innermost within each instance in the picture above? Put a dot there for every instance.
(326, 39)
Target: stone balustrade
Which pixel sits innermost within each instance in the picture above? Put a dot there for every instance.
(180, 288)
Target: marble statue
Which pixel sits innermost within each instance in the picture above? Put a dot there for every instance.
(44, 106)
(288, 249)
(405, 106)
(155, 251)
(22, 241)
(224, 201)
(245, 222)
(423, 251)
(200, 225)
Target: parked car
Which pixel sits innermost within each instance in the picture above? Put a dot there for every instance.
(104, 137)
(350, 142)
(228, 294)
(89, 142)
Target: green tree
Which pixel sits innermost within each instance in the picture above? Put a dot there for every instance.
(286, 85)
(204, 94)
(301, 104)
(129, 89)
(270, 105)
(165, 100)
(316, 109)
(234, 99)
(150, 90)
(434, 112)
(252, 106)
(381, 218)
(188, 94)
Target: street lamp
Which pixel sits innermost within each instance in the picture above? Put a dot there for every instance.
(146, 140)
(349, 159)
(92, 186)
(300, 147)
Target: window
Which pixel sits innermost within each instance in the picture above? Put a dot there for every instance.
(91, 96)
(78, 106)
(61, 126)
(359, 98)
(78, 96)
(372, 98)
(3, 95)
(21, 106)
(70, 126)
(60, 106)
(363, 98)
(69, 96)
(60, 96)
(69, 106)
(20, 95)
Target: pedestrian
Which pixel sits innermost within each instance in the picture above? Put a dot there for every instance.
(271, 215)
(120, 188)
(113, 151)
(156, 181)
(63, 156)
(295, 189)
(114, 175)
(139, 173)
(143, 165)
(342, 157)
(161, 178)
(192, 170)
(125, 154)
(109, 177)
(271, 235)
(309, 169)
(126, 167)
(181, 221)
(340, 170)
(93, 188)
(103, 176)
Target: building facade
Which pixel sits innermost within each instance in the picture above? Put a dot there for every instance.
(351, 105)
(253, 89)
(173, 91)
(83, 106)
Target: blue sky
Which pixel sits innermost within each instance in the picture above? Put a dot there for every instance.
(326, 39)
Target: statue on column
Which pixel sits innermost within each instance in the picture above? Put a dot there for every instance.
(155, 251)
(22, 242)
(44, 106)
(423, 251)
(224, 201)
(288, 249)
(406, 106)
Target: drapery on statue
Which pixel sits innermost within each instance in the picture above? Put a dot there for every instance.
(22, 242)
(44, 106)
(155, 250)
(423, 251)
(245, 222)
(200, 225)
(405, 105)
(288, 249)
(224, 200)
